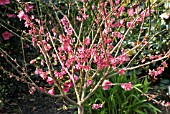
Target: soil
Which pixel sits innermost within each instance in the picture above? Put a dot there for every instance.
(41, 104)
(34, 104)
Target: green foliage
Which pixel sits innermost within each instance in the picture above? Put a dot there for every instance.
(118, 101)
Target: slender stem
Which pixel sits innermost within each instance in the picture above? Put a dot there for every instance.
(143, 47)
(71, 76)
(97, 85)
(135, 67)
(167, 55)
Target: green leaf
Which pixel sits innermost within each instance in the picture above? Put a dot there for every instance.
(138, 85)
(139, 111)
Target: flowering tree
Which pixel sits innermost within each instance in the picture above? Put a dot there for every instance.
(80, 46)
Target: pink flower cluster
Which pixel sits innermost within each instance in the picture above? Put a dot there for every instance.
(28, 7)
(119, 60)
(152, 57)
(164, 103)
(50, 80)
(154, 73)
(127, 86)
(89, 82)
(76, 58)
(67, 26)
(158, 71)
(51, 91)
(4, 2)
(118, 12)
(69, 84)
(42, 74)
(22, 16)
(106, 84)
(66, 85)
(82, 16)
(97, 106)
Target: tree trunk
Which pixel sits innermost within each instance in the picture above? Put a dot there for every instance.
(81, 109)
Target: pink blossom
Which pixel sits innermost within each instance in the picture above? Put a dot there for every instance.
(160, 70)
(154, 73)
(87, 41)
(11, 75)
(167, 104)
(127, 86)
(96, 106)
(41, 89)
(117, 1)
(31, 92)
(50, 80)
(137, 9)
(151, 72)
(42, 62)
(130, 24)
(33, 88)
(33, 61)
(164, 64)
(11, 15)
(121, 9)
(114, 62)
(123, 58)
(106, 84)
(51, 91)
(4, 2)
(6, 35)
(41, 31)
(145, 13)
(139, 20)
(79, 18)
(28, 7)
(93, 7)
(86, 67)
(38, 71)
(89, 82)
(122, 71)
(69, 31)
(43, 75)
(75, 78)
(37, 20)
(121, 21)
(152, 57)
(54, 31)
(130, 12)
(47, 47)
(22, 15)
(64, 21)
(66, 89)
(85, 16)
(58, 75)
(67, 86)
